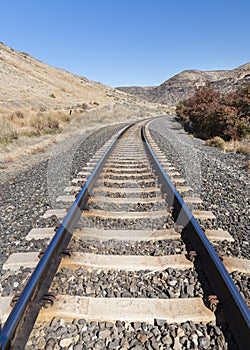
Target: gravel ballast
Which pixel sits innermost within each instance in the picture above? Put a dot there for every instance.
(25, 197)
(83, 335)
(219, 178)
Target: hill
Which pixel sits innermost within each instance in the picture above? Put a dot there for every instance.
(181, 86)
(27, 82)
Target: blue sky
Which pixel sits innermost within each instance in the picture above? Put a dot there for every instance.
(129, 42)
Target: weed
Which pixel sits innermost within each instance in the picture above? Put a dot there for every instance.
(8, 132)
(216, 142)
(243, 149)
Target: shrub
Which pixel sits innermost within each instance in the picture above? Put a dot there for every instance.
(38, 124)
(18, 115)
(52, 122)
(207, 114)
(243, 149)
(52, 95)
(216, 142)
(45, 123)
(8, 132)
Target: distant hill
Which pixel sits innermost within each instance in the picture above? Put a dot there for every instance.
(27, 82)
(181, 86)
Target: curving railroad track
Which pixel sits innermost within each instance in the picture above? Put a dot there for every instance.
(102, 266)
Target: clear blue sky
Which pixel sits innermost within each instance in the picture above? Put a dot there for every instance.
(129, 42)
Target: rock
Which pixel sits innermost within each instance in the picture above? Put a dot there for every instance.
(167, 340)
(99, 345)
(136, 326)
(180, 332)
(177, 344)
(190, 290)
(50, 344)
(204, 343)
(113, 344)
(142, 338)
(104, 333)
(154, 344)
(66, 342)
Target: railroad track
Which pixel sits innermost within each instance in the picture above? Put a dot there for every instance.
(128, 258)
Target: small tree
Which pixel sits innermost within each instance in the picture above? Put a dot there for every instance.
(205, 113)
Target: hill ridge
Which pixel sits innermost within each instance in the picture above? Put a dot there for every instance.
(181, 85)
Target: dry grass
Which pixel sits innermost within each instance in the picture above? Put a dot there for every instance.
(242, 147)
(27, 82)
(9, 159)
(8, 131)
(32, 122)
(216, 142)
(40, 147)
(248, 166)
(37, 129)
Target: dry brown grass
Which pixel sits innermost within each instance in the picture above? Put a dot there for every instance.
(216, 142)
(9, 159)
(27, 82)
(242, 147)
(40, 147)
(8, 131)
(32, 122)
(248, 166)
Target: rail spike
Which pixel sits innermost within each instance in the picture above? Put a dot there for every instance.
(48, 299)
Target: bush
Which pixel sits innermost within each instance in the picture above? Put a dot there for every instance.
(216, 142)
(8, 132)
(207, 114)
(52, 122)
(44, 123)
(243, 149)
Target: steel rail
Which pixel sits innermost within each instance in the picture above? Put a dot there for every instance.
(235, 309)
(23, 315)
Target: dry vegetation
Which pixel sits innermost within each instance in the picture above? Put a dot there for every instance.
(31, 131)
(27, 82)
(29, 123)
(38, 102)
(236, 146)
(222, 120)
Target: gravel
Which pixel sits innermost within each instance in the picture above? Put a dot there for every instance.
(80, 334)
(166, 284)
(218, 178)
(221, 182)
(25, 197)
(115, 247)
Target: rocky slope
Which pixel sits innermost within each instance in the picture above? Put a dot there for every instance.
(27, 82)
(181, 86)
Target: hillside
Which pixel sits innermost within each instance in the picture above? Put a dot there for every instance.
(181, 86)
(27, 82)
(40, 105)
